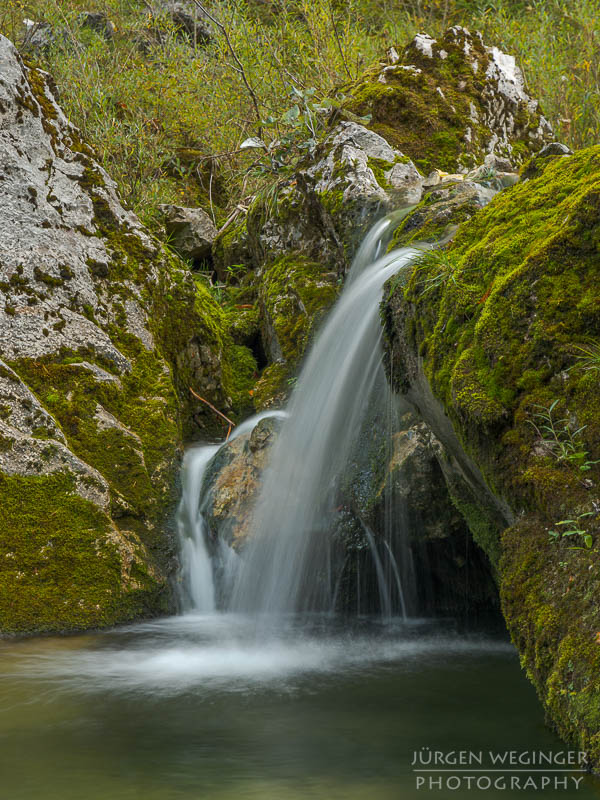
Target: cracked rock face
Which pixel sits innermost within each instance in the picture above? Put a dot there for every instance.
(89, 415)
(449, 103)
(354, 178)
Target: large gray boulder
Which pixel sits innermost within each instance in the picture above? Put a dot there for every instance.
(99, 329)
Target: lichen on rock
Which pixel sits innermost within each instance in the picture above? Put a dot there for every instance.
(448, 103)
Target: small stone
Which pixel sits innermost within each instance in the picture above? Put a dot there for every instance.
(555, 149)
(97, 22)
(190, 232)
(190, 23)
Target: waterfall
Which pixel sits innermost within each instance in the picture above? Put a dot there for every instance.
(282, 568)
(196, 568)
(326, 411)
(196, 577)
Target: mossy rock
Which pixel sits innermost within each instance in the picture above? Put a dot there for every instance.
(102, 334)
(504, 329)
(447, 103)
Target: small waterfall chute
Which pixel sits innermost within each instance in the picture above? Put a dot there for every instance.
(287, 567)
(326, 411)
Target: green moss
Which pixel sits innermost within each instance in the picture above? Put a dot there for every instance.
(427, 112)
(142, 438)
(293, 294)
(240, 376)
(273, 387)
(498, 342)
(230, 248)
(59, 568)
(379, 167)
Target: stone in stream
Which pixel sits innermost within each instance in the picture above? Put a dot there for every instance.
(233, 482)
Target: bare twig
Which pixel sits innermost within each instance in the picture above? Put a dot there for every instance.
(237, 210)
(240, 67)
(337, 39)
(216, 410)
(212, 210)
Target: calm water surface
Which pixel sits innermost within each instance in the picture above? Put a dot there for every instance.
(196, 707)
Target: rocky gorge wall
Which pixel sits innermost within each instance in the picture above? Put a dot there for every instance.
(102, 331)
(495, 341)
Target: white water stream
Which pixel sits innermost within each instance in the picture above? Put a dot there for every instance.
(341, 382)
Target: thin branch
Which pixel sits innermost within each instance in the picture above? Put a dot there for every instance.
(337, 39)
(216, 410)
(240, 66)
(237, 210)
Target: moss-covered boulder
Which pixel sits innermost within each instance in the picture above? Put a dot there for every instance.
(325, 208)
(496, 340)
(298, 239)
(448, 103)
(101, 335)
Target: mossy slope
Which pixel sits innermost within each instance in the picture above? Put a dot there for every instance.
(495, 324)
(102, 334)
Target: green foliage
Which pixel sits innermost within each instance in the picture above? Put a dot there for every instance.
(168, 119)
(438, 267)
(575, 527)
(304, 123)
(560, 439)
(588, 358)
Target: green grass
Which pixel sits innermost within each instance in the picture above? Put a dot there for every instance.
(168, 123)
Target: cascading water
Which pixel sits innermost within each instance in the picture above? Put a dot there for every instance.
(326, 411)
(342, 381)
(197, 573)
(196, 567)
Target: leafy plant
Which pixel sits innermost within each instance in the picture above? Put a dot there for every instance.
(574, 527)
(303, 124)
(559, 439)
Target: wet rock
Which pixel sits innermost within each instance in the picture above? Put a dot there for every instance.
(536, 165)
(450, 200)
(190, 232)
(234, 481)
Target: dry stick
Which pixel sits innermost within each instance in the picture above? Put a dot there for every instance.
(237, 210)
(216, 410)
(240, 67)
(337, 39)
